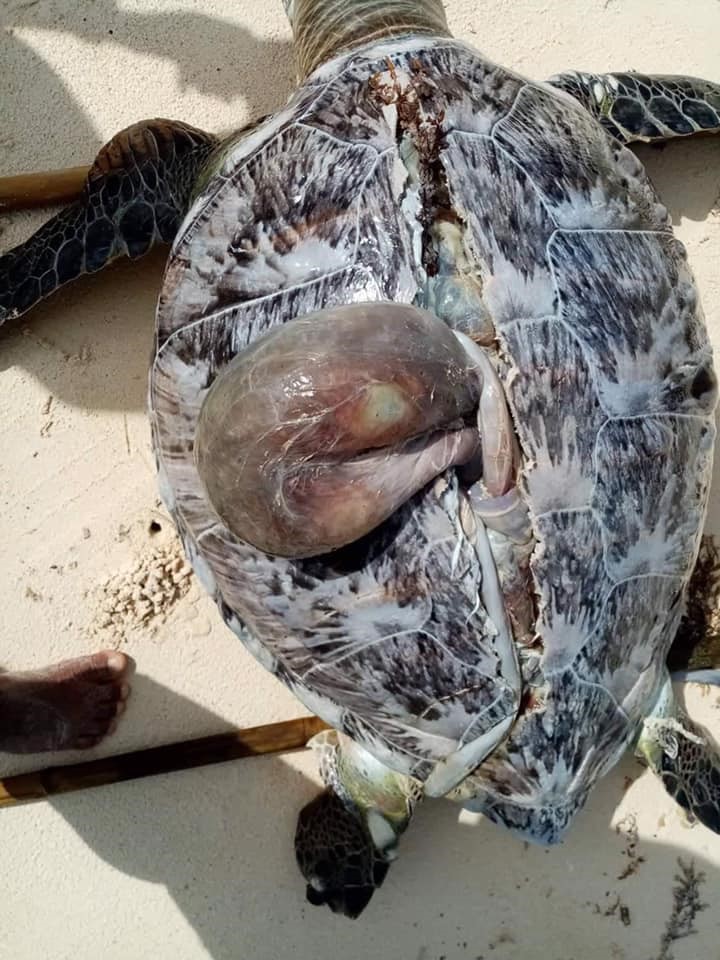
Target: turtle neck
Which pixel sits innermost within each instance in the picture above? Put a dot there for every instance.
(325, 28)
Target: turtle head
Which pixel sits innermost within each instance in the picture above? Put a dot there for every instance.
(336, 855)
(687, 761)
(325, 28)
(347, 837)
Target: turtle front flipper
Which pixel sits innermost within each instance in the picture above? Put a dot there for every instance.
(683, 755)
(347, 837)
(136, 194)
(637, 107)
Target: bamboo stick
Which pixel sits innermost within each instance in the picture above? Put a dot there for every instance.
(27, 190)
(251, 742)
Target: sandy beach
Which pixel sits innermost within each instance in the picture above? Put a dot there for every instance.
(200, 864)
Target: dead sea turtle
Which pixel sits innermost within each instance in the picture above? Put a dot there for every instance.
(455, 504)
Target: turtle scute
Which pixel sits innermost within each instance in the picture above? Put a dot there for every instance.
(319, 431)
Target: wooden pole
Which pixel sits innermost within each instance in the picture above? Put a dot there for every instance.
(252, 742)
(41, 189)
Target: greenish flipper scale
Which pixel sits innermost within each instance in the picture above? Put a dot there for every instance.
(637, 107)
(684, 757)
(136, 194)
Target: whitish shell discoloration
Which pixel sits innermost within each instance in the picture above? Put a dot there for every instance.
(646, 345)
(504, 205)
(365, 640)
(608, 375)
(551, 374)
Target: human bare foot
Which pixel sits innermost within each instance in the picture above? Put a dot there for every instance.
(71, 705)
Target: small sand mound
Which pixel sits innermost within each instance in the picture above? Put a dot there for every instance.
(142, 596)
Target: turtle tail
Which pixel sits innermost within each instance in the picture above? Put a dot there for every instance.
(135, 196)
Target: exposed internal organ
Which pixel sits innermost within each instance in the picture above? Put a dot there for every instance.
(495, 425)
(321, 429)
(453, 290)
(495, 499)
(512, 560)
(452, 284)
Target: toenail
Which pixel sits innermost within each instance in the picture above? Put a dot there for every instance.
(124, 691)
(116, 662)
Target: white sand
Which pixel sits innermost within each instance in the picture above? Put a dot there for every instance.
(200, 864)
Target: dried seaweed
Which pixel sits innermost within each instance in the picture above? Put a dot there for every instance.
(697, 642)
(686, 906)
(629, 829)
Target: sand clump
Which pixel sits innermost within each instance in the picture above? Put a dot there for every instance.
(142, 596)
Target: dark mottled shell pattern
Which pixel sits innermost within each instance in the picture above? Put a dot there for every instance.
(607, 371)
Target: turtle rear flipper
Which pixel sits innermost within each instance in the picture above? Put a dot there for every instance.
(636, 107)
(685, 758)
(136, 194)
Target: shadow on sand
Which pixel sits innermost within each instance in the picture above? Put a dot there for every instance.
(216, 57)
(220, 839)
(109, 317)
